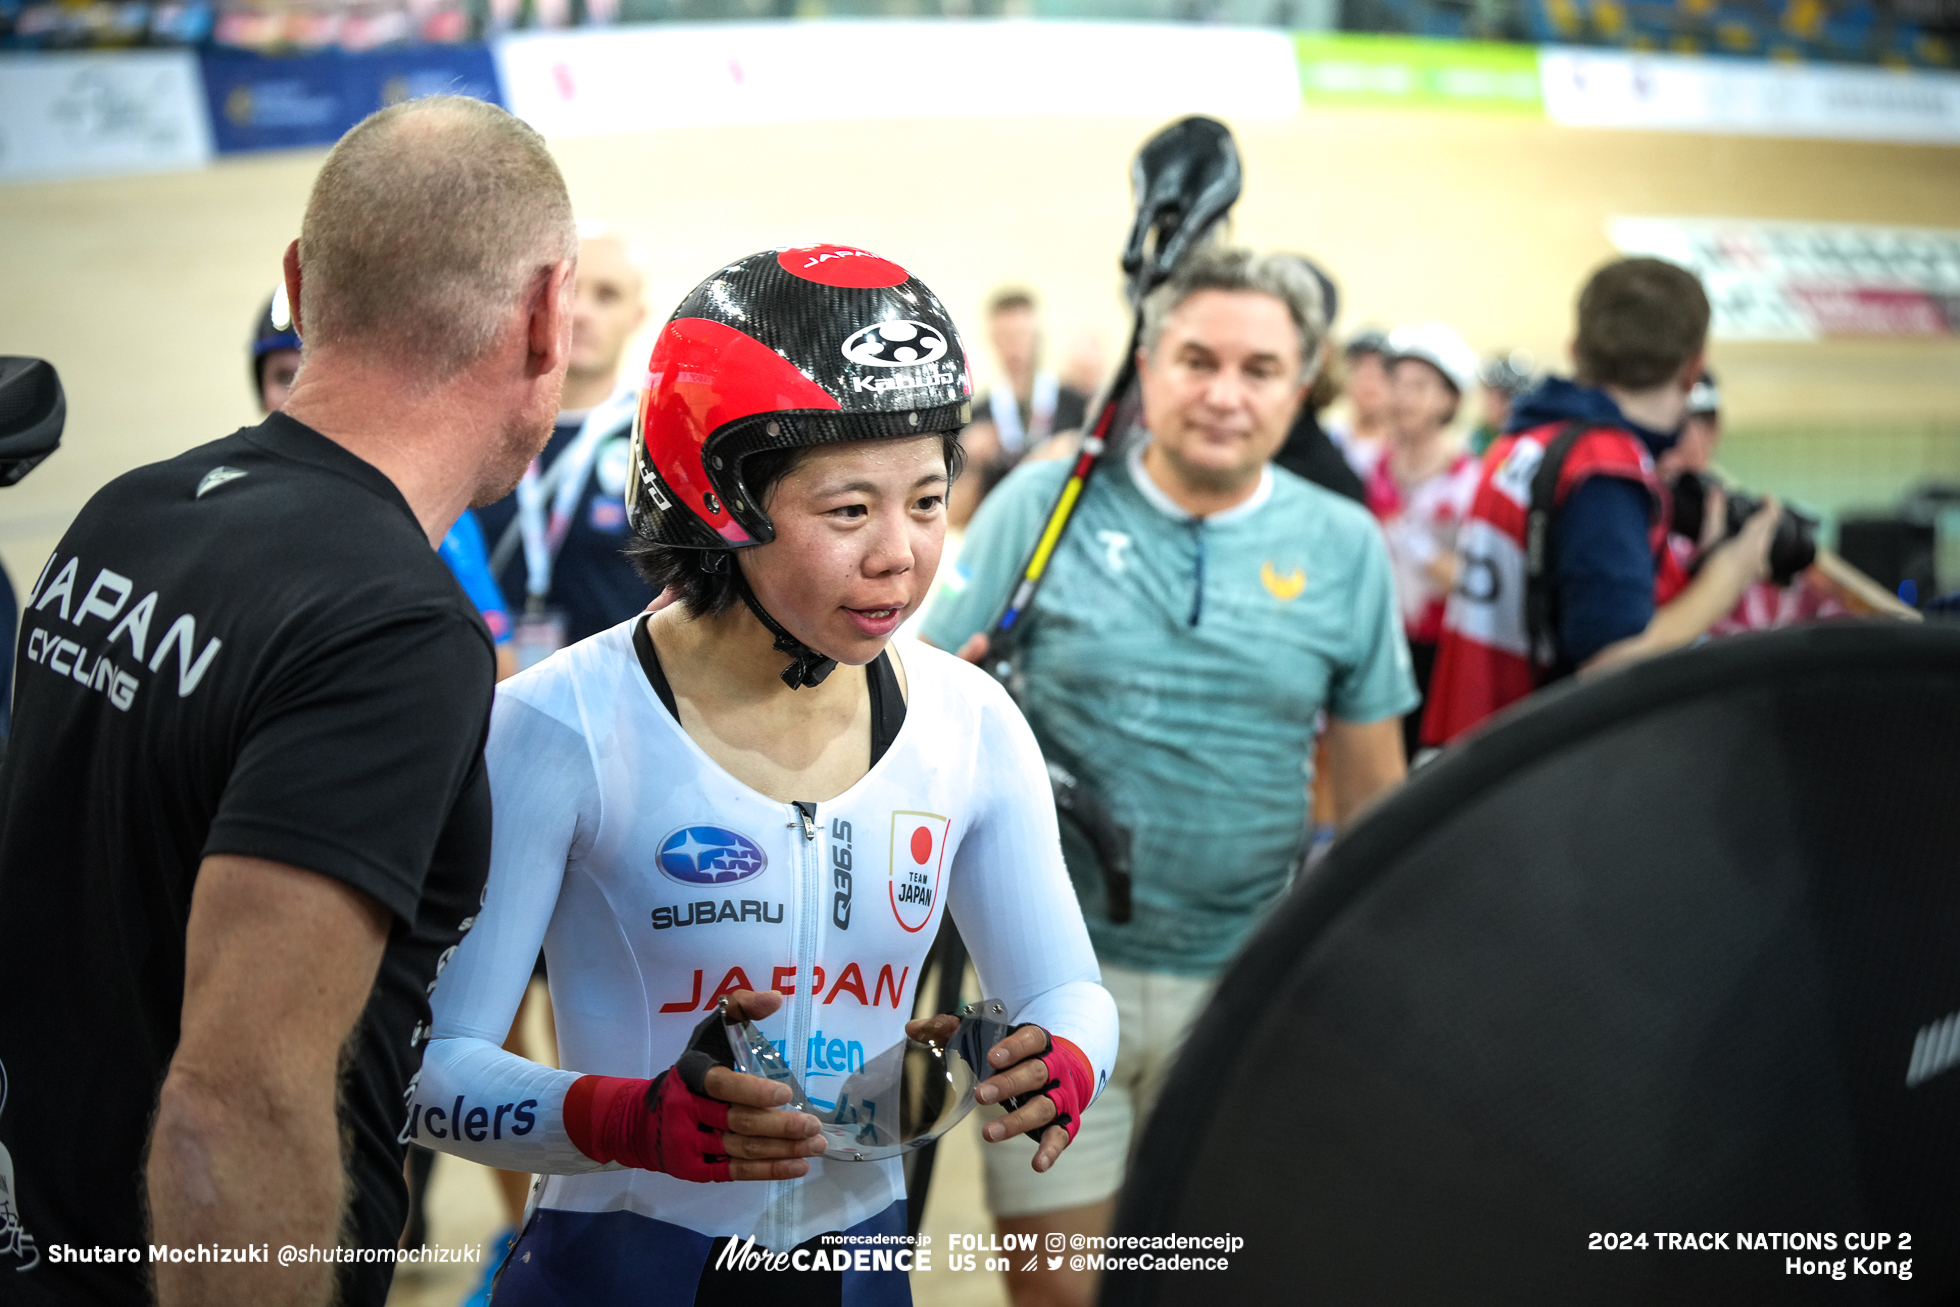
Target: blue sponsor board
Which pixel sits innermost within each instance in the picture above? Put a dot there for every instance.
(259, 102)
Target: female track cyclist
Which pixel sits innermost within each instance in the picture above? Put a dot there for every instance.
(683, 818)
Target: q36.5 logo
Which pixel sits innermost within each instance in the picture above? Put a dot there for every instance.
(710, 855)
(900, 344)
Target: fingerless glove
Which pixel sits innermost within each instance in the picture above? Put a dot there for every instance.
(666, 1124)
(1070, 1086)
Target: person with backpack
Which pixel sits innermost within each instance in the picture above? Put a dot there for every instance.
(1563, 565)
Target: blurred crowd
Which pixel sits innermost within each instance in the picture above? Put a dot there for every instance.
(104, 24)
(266, 26)
(1398, 420)
(287, 27)
(1893, 33)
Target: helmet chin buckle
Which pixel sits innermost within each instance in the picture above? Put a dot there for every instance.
(807, 667)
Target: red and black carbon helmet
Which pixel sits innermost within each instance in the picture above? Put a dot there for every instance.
(786, 348)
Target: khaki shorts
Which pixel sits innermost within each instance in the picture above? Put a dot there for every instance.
(1154, 1010)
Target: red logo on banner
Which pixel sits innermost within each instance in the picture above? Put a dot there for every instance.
(1871, 311)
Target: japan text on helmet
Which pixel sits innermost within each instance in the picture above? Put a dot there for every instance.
(1438, 346)
(786, 348)
(272, 332)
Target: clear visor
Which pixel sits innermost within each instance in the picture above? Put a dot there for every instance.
(900, 1099)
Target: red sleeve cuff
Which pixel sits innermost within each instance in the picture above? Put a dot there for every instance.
(599, 1112)
(1069, 1066)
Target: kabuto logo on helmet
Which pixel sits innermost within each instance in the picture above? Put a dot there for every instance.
(900, 344)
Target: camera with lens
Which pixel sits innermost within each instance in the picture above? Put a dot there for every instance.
(32, 412)
(1791, 550)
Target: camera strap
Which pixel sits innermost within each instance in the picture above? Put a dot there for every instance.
(1540, 595)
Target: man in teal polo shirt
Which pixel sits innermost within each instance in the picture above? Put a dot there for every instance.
(1203, 610)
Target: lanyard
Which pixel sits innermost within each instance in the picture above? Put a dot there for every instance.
(1006, 412)
(560, 485)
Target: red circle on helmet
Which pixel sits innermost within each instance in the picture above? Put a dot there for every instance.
(841, 265)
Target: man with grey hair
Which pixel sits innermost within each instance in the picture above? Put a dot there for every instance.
(1203, 610)
(245, 817)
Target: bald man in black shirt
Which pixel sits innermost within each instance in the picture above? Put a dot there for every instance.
(244, 819)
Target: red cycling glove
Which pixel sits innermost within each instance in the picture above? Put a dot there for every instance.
(1070, 1086)
(666, 1124)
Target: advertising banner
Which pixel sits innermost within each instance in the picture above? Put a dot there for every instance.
(1810, 280)
(1414, 72)
(258, 102)
(81, 115)
(1749, 97)
(672, 75)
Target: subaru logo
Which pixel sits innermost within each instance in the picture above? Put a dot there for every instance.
(710, 855)
(900, 344)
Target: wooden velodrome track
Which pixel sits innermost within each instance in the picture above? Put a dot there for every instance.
(142, 290)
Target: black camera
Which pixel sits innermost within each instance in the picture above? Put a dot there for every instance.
(32, 411)
(1791, 550)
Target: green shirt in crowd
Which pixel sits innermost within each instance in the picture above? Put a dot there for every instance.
(1177, 665)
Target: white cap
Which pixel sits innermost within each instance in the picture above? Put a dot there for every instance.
(1441, 348)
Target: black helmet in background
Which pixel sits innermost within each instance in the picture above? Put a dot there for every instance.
(272, 332)
(1368, 340)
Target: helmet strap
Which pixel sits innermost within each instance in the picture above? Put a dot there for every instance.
(806, 667)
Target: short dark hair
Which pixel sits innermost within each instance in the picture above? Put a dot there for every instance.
(1010, 297)
(707, 593)
(1639, 321)
(1327, 384)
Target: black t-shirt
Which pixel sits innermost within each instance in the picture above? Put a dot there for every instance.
(9, 614)
(1309, 453)
(591, 581)
(249, 649)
